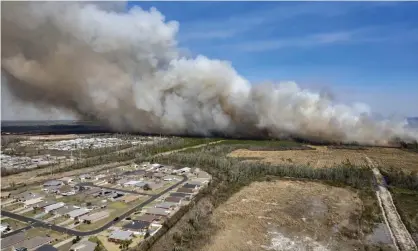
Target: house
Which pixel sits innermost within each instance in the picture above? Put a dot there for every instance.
(84, 246)
(5, 195)
(65, 209)
(92, 190)
(167, 205)
(36, 242)
(31, 202)
(137, 226)
(90, 218)
(148, 217)
(191, 186)
(184, 170)
(43, 204)
(100, 176)
(51, 189)
(129, 198)
(159, 175)
(12, 240)
(85, 177)
(185, 190)
(67, 180)
(53, 183)
(170, 178)
(23, 197)
(119, 236)
(176, 200)
(156, 166)
(53, 207)
(46, 247)
(132, 183)
(66, 190)
(157, 211)
(77, 213)
(181, 195)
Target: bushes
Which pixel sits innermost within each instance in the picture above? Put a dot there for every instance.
(400, 178)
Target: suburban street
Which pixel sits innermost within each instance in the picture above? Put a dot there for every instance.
(38, 223)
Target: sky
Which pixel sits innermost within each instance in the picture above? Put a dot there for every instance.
(357, 51)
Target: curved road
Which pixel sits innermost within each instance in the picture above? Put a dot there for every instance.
(38, 223)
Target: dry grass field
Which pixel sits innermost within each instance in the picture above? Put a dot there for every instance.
(288, 215)
(323, 156)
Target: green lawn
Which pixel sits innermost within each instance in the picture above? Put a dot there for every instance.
(13, 206)
(117, 205)
(94, 225)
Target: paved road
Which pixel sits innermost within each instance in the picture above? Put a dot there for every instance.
(39, 223)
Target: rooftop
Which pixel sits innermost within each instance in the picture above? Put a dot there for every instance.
(46, 247)
(137, 225)
(173, 199)
(78, 212)
(84, 246)
(121, 235)
(157, 211)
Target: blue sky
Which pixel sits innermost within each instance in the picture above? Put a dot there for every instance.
(359, 51)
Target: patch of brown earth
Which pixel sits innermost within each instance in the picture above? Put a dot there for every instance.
(288, 214)
(325, 157)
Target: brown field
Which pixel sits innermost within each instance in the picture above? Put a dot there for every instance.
(323, 156)
(290, 215)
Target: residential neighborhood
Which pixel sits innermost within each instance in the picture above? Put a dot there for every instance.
(118, 206)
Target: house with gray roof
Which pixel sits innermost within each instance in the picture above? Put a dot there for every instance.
(77, 213)
(65, 209)
(120, 235)
(157, 211)
(84, 246)
(95, 216)
(53, 207)
(44, 203)
(53, 183)
(166, 205)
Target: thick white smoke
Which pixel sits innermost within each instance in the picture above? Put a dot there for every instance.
(124, 69)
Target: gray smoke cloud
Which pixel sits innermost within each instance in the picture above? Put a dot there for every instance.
(125, 70)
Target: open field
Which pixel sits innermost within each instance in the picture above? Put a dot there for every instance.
(289, 215)
(323, 156)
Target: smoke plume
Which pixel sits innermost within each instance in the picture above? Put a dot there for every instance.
(124, 69)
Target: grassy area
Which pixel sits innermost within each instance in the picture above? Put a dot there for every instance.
(13, 206)
(32, 213)
(406, 202)
(117, 205)
(101, 247)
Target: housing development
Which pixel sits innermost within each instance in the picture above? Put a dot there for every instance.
(120, 206)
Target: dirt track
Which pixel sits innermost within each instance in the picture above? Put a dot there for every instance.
(402, 238)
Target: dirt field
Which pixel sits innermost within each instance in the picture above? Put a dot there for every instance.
(289, 215)
(323, 156)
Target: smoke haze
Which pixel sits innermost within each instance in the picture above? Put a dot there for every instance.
(124, 69)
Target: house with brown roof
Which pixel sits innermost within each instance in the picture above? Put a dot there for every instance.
(176, 200)
(185, 190)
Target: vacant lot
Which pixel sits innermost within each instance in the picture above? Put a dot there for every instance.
(291, 215)
(323, 156)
